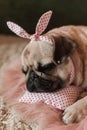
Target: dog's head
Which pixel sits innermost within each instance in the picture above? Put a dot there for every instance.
(47, 67)
(45, 62)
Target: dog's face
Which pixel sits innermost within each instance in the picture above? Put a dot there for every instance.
(47, 67)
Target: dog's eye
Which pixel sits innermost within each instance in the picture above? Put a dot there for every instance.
(25, 70)
(62, 60)
(46, 67)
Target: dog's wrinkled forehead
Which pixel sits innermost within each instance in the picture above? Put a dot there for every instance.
(39, 48)
(46, 48)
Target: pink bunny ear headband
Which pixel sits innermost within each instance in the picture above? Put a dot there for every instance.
(40, 27)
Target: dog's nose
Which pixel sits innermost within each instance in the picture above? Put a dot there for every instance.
(32, 82)
(31, 88)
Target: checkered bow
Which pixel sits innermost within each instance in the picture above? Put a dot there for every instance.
(40, 28)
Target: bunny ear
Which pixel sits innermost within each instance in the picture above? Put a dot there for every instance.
(43, 22)
(18, 30)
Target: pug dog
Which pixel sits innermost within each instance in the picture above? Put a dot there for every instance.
(48, 61)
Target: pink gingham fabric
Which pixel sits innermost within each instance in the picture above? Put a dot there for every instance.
(40, 27)
(43, 22)
(18, 30)
(60, 99)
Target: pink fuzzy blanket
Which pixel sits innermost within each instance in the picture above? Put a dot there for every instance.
(39, 115)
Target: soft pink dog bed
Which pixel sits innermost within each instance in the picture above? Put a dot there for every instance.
(39, 114)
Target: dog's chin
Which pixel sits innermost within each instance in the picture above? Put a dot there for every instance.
(36, 83)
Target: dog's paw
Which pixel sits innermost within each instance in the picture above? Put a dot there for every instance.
(75, 112)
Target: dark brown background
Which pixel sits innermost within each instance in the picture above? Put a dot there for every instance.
(27, 12)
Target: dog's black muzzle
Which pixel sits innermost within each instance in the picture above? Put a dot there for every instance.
(36, 83)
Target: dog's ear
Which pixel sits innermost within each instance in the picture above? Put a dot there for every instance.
(63, 47)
